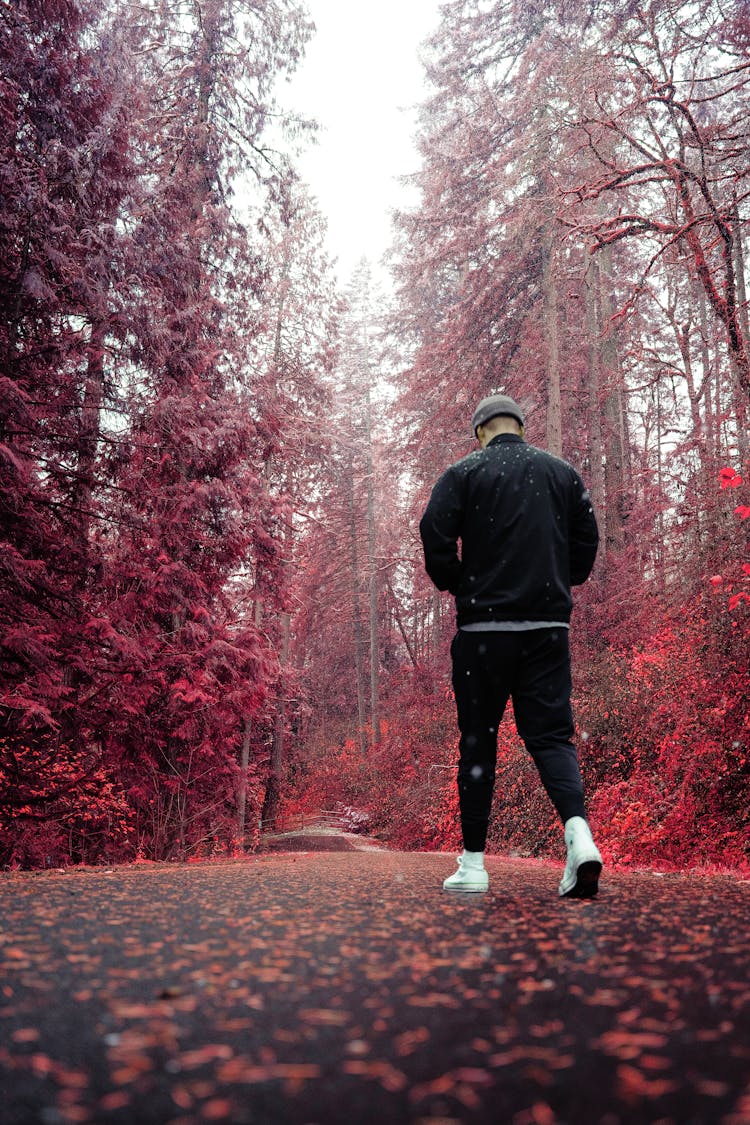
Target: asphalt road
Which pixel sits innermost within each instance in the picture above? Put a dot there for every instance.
(317, 988)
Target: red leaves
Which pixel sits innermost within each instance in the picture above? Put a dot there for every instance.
(729, 478)
(49, 792)
(185, 691)
(409, 1041)
(381, 1071)
(633, 1086)
(324, 1017)
(130, 623)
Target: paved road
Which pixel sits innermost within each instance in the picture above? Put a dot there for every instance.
(318, 988)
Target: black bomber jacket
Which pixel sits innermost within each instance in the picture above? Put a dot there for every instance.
(527, 529)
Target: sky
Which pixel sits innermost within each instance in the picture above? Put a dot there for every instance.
(361, 80)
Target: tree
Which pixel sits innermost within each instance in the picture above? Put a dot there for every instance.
(66, 172)
(295, 358)
(665, 120)
(135, 451)
(207, 510)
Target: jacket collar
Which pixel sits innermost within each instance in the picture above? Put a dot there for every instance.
(498, 438)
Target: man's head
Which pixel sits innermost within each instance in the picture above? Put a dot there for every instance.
(496, 414)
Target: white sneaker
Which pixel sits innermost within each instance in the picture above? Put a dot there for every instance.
(581, 876)
(471, 875)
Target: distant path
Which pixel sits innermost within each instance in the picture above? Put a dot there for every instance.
(319, 988)
(318, 840)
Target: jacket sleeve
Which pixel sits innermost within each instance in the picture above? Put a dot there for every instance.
(583, 533)
(440, 528)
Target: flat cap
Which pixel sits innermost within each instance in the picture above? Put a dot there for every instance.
(493, 405)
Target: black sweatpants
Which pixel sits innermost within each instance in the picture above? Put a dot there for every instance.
(533, 668)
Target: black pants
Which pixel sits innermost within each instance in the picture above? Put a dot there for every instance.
(532, 668)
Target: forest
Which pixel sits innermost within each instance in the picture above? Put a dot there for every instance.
(213, 457)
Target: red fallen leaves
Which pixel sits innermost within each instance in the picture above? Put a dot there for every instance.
(539, 1114)
(118, 1099)
(711, 1088)
(654, 1062)
(44, 1066)
(434, 1000)
(628, 1044)
(128, 1010)
(241, 1069)
(550, 1057)
(13, 953)
(603, 998)
(531, 985)
(633, 1086)
(324, 1017)
(409, 1041)
(189, 1060)
(460, 1084)
(385, 1073)
(324, 1027)
(217, 1109)
(182, 1097)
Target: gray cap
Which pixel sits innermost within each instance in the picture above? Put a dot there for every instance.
(493, 405)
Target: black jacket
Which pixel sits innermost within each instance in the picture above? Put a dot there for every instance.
(527, 530)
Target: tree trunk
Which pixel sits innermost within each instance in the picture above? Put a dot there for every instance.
(614, 470)
(81, 498)
(242, 790)
(400, 624)
(372, 571)
(358, 385)
(595, 409)
(659, 545)
(276, 766)
(712, 417)
(356, 608)
(88, 437)
(744, 324)
(245, 756)
(554, 404)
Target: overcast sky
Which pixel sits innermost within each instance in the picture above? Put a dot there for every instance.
(361, 79)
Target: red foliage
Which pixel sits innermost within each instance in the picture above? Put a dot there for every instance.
(668, 766)
(139, 514)
(57, 802)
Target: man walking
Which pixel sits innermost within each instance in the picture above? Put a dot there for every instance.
(528, 532)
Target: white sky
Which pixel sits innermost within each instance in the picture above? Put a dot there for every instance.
(360, 79)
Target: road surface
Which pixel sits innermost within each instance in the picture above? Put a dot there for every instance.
(312, 988)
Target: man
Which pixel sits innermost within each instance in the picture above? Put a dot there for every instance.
(528, 532)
